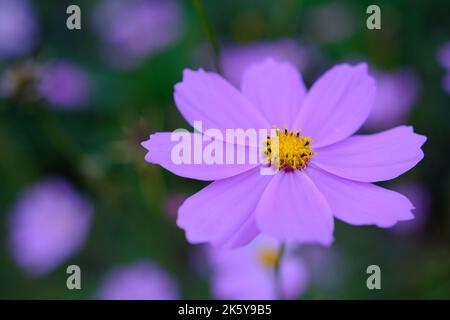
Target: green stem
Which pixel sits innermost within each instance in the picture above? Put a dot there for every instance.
(210, 34)
(278, 284)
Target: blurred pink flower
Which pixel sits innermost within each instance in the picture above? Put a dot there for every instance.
(421, 198)
(173, 203)
(443, 58)
(18, 28)
(396, 95)
(235, 59)
(331, 22)
(64, 85)
(141, 280)
(248, 272)
(134, 29)
(446, 82)
(324, 171)
(443, 55)
(48, 224)
(328, 266)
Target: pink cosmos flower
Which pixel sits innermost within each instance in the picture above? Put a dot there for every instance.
(49, 223)
(248, 272)
(131, 30)
(235, 59)
(324, 171)
(172, 203)
(141, 280)
(331, 22)
(443, 58)
(443, 55)
(18, 28)
(421, 197)
(64, 85)
(446, 82)
(397, 92)
(329, 267)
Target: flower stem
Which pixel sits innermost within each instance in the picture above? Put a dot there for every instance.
(210, 34)
(278, 283)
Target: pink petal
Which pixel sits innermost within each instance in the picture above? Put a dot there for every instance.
(337, 104)
(160, 146)
(276, 89)
(207, 97)
(245, 283)
(294, 277)
(293, 209)
(374, 157)
(222, 213)
(361, 203)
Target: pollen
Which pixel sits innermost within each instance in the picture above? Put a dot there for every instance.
(287, 150)
(267, 258)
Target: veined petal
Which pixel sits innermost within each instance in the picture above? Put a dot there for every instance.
(160, 147)
(375, 157)
(223, 212)
(337, 104)
(276, 89)
(207, 97)
(361, 203)
(293, 209)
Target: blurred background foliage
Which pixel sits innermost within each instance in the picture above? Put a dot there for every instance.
(97, 147)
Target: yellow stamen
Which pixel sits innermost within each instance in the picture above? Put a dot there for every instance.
(288, 150)
(268, 258)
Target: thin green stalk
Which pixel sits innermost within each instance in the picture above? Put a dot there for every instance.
(210, 34)
(277, 267)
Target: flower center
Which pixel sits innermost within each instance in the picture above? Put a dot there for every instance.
(288, 150)
(267, 258)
